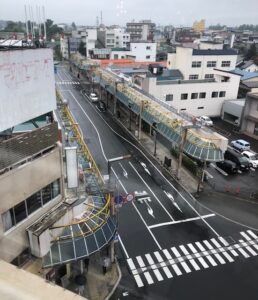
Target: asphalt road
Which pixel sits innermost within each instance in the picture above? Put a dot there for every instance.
(170, 246)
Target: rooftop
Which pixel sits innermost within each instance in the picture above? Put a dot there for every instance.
(214, 52)
(245, 75)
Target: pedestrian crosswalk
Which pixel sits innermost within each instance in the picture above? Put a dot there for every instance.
(196, 256)
(67, 82)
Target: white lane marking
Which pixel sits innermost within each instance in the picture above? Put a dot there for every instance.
(245, 236)
(250, 250)
(148, 277)
(228, 257)
(181, 221)
(232, 251)
(242, 251)
(141, 217)
(158, 275)
(183, 264)
(192, 261)
(202, 261)
(167, 272)
(154, 195)
(150, 261)
(141, 263)
(212, 250)
(158, 256)
(188, 203)
(138, 280)
(172, 262)
(223, 241)
(252, 234)
(131, 264)
(253, 243)
(123, 246)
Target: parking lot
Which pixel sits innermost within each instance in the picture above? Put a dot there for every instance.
(242, 184)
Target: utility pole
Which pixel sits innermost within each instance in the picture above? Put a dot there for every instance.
(181, 148)
(140, 120)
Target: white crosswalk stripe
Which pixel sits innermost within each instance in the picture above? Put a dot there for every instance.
(67, 82)
(178, 260)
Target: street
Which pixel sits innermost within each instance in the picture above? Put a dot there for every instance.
(171, 246)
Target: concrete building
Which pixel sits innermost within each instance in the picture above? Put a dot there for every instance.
(232, 111)
(197, 97)
(113, 37)
(248, 66)
(250, 116)
(139, 51)
(30, 162)
(141, 31)
(87, 35)
(200, 63)
(248, 82)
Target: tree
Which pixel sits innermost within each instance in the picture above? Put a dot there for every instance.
(82, 48)
(74, 26)
(14, 27)
(52, 29)
(252, 52)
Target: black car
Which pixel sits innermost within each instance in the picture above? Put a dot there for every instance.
(227, 166)
(241, 161)
(101, 106)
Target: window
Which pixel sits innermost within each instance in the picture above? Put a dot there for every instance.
(194, 96)
(196, 64)
(222, 94)
(209, 76)
(193, 77)
(202, 95)
(225, 63)
(147, 56)
(20, 212)
(184, 96)
(169, 97)
(183, 109)
(34, 202)
(8, 219)
(211, 64)
(214, 94)
(148, 47)
(201, 107)
(46, 194)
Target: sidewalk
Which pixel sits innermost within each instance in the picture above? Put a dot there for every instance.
(187, 180)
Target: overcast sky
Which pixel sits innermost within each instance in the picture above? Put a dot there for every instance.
(175, 12)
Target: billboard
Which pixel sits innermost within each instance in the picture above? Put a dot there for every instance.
(27, 85)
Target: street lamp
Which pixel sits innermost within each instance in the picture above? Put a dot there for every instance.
(106, 86)
(130, 105)
(155, 133)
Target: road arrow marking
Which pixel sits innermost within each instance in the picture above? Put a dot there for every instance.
(172, 200)
(145, 168)
(124, 171)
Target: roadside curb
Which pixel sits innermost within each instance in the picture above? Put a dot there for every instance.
(117, 282)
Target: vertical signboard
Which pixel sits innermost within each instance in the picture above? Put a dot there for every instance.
(71, 167)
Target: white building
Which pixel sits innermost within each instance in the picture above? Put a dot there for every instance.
(197, 97)
(113, 37)
(64, 46)
(200, 63)
(30, 163)
(139, 51)
(88, 36)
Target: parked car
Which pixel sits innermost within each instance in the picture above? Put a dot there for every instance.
(240, 145)
(93, 97)
(205, 120)
(240, 160)
(101, 106)
(252, 157)
(228, 166)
